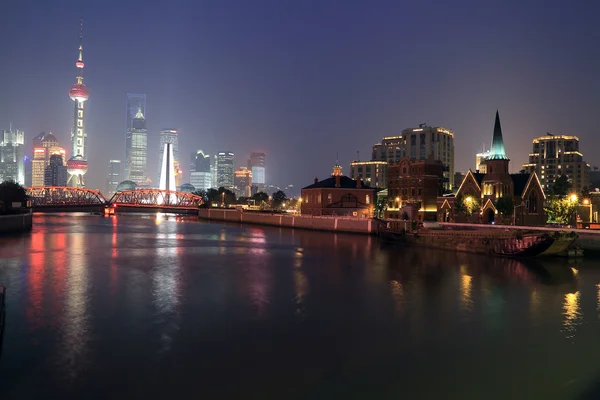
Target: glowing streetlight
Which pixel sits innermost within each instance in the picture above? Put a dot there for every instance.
(469, 199)
(586, 201)
(573, 198)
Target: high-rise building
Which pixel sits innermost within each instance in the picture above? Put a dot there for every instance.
(243, 182)
(12, 156)
(137, 154)
(418, 144)
(135, 103)
(114, 176)
(256, 165)
(390, 149)
(167, 172)
(168, 136)
(77, 165)
(556, 155)
(201, 176)
(55, 174)
(372, 173)
(46, 141)
(27, 171)
(224, 167)
(38, 166)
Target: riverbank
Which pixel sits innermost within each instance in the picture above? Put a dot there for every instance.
(16, 223)
(366, 226)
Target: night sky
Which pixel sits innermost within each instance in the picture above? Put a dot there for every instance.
(302, 80)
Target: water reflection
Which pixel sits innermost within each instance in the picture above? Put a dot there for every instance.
(215, 299)
(75, 326)
(572, 314)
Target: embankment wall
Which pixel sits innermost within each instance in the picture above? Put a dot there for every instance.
(15, 223)
(334, 224)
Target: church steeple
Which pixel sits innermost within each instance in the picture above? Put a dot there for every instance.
(497, 149)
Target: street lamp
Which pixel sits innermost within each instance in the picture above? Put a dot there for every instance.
(573, 198)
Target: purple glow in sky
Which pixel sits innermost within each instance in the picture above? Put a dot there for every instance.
(304, 80)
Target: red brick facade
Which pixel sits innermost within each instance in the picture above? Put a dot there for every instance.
(338, 195)
(414, 185)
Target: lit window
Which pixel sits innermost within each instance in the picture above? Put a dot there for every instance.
(319, 199)
(306, 199)
(329, 200)
(368, 199)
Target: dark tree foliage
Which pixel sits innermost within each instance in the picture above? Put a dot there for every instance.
(505, 205)
(11, 192)
(561, 186)
(277, 200)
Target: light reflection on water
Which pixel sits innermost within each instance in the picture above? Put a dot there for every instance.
(165, 305)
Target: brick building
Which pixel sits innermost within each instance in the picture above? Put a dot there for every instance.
(338, 195)
(413, 188)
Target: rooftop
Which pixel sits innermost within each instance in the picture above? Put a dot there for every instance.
(345, 183)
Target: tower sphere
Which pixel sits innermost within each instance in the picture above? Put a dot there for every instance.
(79, 92)
(77, 166)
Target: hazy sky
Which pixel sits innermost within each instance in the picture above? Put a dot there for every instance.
(302, 80)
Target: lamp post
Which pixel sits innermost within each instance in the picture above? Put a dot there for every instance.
(515, 212)
(573, 216)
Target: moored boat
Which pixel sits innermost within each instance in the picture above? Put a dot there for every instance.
(506, 243)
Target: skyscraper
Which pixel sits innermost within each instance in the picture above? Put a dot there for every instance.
(114, 176)
(224, 167)
(137, 156)
(201, 177)
(55, 174)
(167, 172)
(134, 104)
(12, 154)
(243, 182)
(47, 141)
(77, 165)
(556, 155)
(168, 136)
(256, 164)
(38, 166)
(418, 144)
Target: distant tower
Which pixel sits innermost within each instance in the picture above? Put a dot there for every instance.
(224, 168)
(137, 156)
(135, 103)
(167, 171)
(168, 136)
(77, 165)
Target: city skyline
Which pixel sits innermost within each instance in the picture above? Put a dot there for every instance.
(344, 91)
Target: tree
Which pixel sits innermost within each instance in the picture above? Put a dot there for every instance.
(202, 193)
(466, 205)
(260, 198)
(381, 206)
(277, 199)
(11, 192)
(585, 193)
(560, 210)
(221, 196)
(505, 205)
(561, 186)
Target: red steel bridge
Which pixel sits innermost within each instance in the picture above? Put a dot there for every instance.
(60, 198)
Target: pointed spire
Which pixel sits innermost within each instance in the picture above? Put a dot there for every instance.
(497, 149)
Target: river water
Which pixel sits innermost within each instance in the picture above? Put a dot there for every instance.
(136, 306)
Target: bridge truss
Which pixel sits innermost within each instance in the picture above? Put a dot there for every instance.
(63, 196)
(153, 198)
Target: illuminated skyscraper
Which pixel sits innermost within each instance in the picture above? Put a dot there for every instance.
(224, 167)
(167, 172)
(114, 177)
(168, 136)
(135, 103)
(47, 141)
(38, 166)
(137, 156)
(77, 165)
(256, 164)
(201, 177)
(12, 155)
(243, 182)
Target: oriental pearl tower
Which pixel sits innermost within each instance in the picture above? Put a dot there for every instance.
(77, 165)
